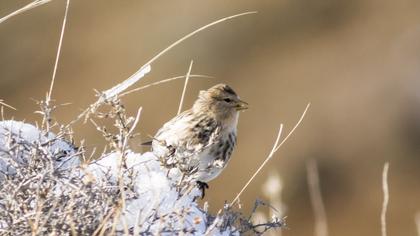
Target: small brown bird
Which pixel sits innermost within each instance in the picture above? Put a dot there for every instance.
(200, 140)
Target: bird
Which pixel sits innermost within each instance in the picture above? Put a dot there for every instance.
(200, 140)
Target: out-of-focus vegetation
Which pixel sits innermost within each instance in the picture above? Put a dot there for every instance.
(355, 61)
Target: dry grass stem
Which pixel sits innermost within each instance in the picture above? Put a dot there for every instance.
(2, 103)
(60, 42)
(116, 90)
(27, 7)
(386, 198)
(261, 166)
(162, 82)
(121, 87)
(46, 190)
(195, 32)
(321, 226)
(276, 147)
(294, 128)
(187, 77)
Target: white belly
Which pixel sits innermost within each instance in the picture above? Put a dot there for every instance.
(209, 168)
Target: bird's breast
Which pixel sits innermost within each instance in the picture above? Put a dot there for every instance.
(215, 159)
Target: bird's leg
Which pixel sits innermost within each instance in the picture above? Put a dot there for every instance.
(202, 186)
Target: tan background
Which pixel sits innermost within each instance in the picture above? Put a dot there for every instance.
(357, 62)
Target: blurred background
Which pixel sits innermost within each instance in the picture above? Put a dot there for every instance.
(357, 62)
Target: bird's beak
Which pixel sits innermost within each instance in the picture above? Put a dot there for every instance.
(242, 105)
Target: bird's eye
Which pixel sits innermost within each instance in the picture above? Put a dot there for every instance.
(227, 100)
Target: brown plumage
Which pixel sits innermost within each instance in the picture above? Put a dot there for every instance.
(200, 140)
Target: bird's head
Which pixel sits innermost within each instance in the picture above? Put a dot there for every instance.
(220, 100)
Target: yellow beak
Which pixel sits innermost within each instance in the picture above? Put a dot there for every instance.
(242, 105)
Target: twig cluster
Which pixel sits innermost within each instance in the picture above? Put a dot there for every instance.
(40, 193)
(234, 221)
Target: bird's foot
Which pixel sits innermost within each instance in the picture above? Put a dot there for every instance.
(202, 186)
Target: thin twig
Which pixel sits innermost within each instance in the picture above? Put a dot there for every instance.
(273, 150)
(130, 132)
(100, 230)
(134, 78)
(261, 166)
(121, 87)
(195, 32)
(293, 130)
(386, 198)
(163, 81)
(321, 226)
(136, 121)
(6, 105)
(60, 42)
(27, 7)
(187, 77)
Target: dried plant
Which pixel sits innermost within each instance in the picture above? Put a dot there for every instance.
(46, 190)
(51, 187)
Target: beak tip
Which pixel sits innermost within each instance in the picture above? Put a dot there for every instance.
(242, 106)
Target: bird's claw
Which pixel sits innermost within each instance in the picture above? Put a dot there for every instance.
(202, 186)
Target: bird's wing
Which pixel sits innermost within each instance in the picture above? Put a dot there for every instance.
(186, 135)
(204, 136)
